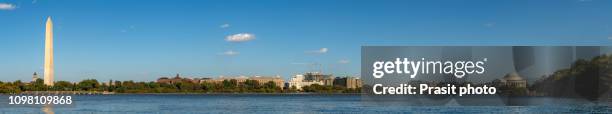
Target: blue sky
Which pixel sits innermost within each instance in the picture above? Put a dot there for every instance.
(144, 40)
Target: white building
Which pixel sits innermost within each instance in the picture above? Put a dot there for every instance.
(298, 82)
(34, 77)
(513, 80)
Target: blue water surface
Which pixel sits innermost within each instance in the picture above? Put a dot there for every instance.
(266, 103)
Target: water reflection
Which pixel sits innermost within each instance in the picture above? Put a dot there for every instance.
(48, 109)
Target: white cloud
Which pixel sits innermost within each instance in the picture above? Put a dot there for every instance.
(489, 24)
(225, 26)
(241, 37)
(230, 53)
(7, 6)
(344, 61)
(320, 51)
(323, 50)
(130, 28)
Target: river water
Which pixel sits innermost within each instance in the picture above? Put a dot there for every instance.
(266, 103)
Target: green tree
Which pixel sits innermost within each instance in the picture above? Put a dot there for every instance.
(62, 86)
(88, 84)
(251, 84)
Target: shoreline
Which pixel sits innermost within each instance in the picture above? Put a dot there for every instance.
(240, 93)
(187, 93)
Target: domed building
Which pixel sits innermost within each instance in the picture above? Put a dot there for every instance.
(513, 80)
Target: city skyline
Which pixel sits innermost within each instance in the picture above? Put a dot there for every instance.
(144, 41)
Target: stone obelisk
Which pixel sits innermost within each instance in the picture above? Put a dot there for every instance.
(49, 53)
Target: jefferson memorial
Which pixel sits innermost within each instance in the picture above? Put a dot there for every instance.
(513, 80)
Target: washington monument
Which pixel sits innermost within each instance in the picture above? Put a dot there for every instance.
(49, 53)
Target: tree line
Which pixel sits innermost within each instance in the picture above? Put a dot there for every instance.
(226, 86)
(589, 79)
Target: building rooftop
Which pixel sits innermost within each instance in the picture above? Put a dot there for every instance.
(513, 77)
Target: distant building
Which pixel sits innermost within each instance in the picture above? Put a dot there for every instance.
(278, 81)
(347, 82)
(319, 77)
(239, 79)
(512, 80)
(328, 81)
(176, 79)
(298, 82)
(316, 76)
(34, 77)
(204, 80)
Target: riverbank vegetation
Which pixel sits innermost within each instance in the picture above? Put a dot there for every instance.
(227, 86)
(589, 79)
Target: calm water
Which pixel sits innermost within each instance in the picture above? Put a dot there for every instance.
(301, 103)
